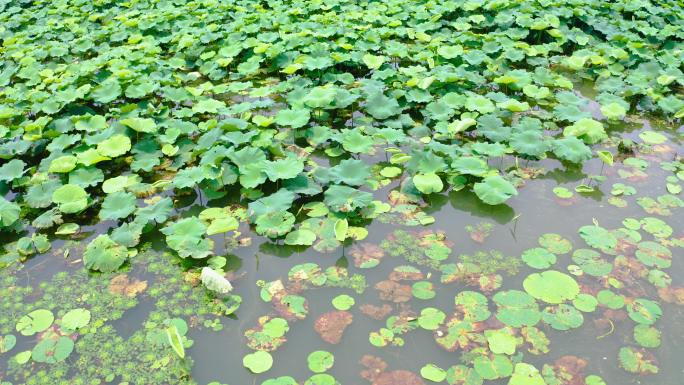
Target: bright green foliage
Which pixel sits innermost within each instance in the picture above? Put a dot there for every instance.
(258, 362)
(551, 286)
(433, 373)
(105, 255)
(320, 361)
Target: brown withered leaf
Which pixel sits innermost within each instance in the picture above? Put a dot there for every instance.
(367, 255)
(122, 284)
(376, 367)
(392, 291)
(379, 313)
(331, 325)
(673, 294)
(398, 377)
(406, 273)
(567, 370)
(615, 315)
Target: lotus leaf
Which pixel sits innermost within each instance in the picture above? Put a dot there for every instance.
(433, 373)
(598, 237)
(526, 374)
(493, 367)
(551, 286)
(572, 149)
(586, 129)
(562, 317)
(76, 318)
(428, 183)
(118, 205)
(494, 190)
(343, 302)
(638, 361)
(591, 263)
(539, 258)
(320, 361)
(473, 306)
(530, 143)
(258, 362)
(35, 322)
(104, 255)
(53, 350)
(517, 308)
(70, 198)
(463, 375)
(644, 311)
(555, 243)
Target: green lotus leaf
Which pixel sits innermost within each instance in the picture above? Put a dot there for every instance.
(433, 373)
(493, 367)
(321, 379)
(293, 118)
(207, 105)
(351, 172)
(53, 350)
(539, 258)
(320, 97)
(343, 302)
(526, 374)
(70, 198)
(63, 164)
(613, 111)
(373, 62)
(555, 243)
(188, 230)
(494, 190)
(493, 128)
(35, 322)
(610, 299)
(423, 290)
(431, 318)
(591, 263)
(653, 137)
(346, 199)
(287, 168)
(551, 286)
(517, 308)
(145, 125)
(562, 192)
(638, 361)
(158, 212)
(40, 195)
(463, 375)
(585, 302)
(14, 169)
(514, 105)
(118, 205)
(647, 336)
(480, 104)
(598, 237)
(104, 255)
(657, 227)
(107, 92)
(572, 149)
(86, 177)
(562, 317)
(76, 319)
(501, 342)
(450, 51)
(9, 212)
(114, 146)
(7, 343)
(382, 107)
(275, 224)
(588, 130)
(357, 143)
(469, 165)
(644, 311)
(258, 362)
(428, 183)
(530, 143)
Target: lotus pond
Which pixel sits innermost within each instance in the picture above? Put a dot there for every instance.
(341, 192)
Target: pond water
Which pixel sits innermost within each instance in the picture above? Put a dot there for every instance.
(463, 226)
(308, 192)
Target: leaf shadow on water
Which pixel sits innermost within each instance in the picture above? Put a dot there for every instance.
(469, 202)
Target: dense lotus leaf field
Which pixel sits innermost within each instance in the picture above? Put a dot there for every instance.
(341, 192)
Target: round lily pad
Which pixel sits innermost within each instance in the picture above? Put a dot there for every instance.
(493, 367)
(76, 318)
(551, 286)
(526, 374)
(598, 237)
(591, 263)
(321, 379)
(562, 192)
(501, 342)
(430, 318)
(644, 311)
(517, 308)
(555, 243)
(654, 254)
(647, 336)
(631, 224)
(258, 362)
(539, 258)
(276, 328)
(638, 361)
(433, 373)
(562, 317)
(472, 305)
(343, 302)
(35, 322)
(463, 375)
(653, 137)
(657, 227)
(320, 361)
(585, 302)
(53, 350)
(610, 299)
(423, 290)
(7, 343)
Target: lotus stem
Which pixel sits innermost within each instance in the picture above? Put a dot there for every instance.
(612, 327)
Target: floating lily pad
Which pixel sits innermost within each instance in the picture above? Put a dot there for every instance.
(463, 375)
(610, 299)
(76, 318)
(555, 243)
(472, 305)
(517, 308)
(258, 362)
(585, 302)
(53, 350)
(551, 286)
(320, 361)
(493, 367)
(430, 318)
(423, 290)
(598, 237)
(562, 317)
(343, 302)
(539, 258)
(7, 343)
(590, 262)
(638, 361)
(35, 322)
(647, 336)
(433, 373)
(644, 311)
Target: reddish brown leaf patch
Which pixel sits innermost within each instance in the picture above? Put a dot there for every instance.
(379, 313)
(367, 255)
(392, 291)
(331, 325)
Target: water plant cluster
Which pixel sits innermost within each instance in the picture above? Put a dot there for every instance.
(207, 124)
